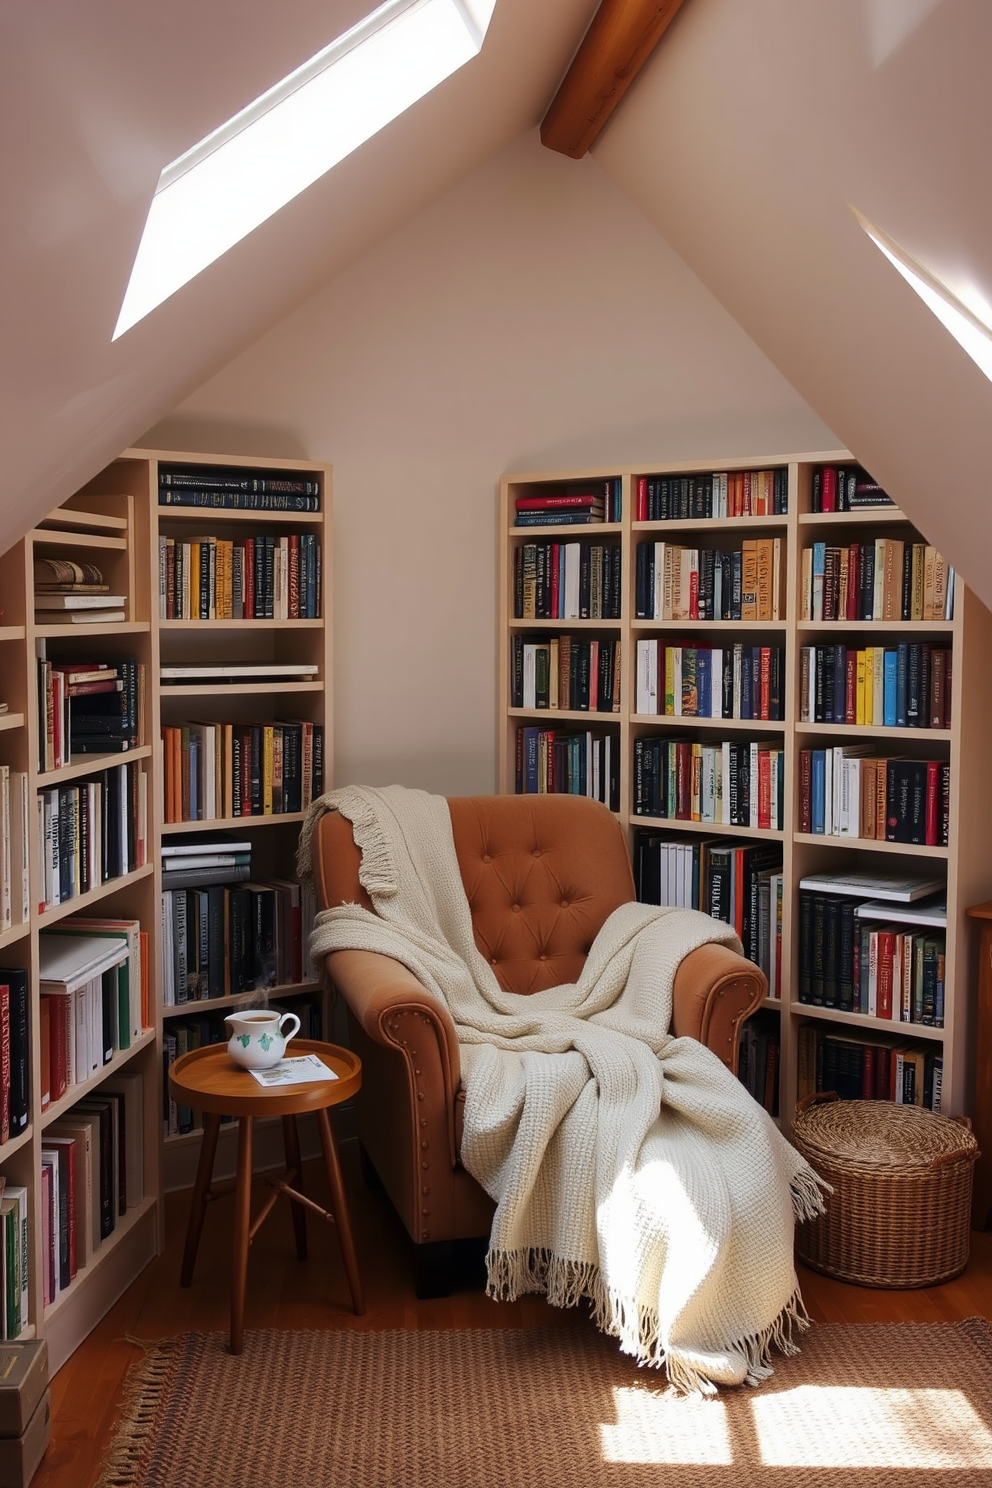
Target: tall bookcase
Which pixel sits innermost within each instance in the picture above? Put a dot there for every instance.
(965, 861)
(115, 521)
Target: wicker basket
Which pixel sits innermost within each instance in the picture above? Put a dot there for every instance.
(900, 1210)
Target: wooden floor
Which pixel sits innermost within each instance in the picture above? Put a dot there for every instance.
(313, 1294)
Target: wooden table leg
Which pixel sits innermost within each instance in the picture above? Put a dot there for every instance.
(201, 1192)
(242, 1234)
(339, 1206)
(291, 1143)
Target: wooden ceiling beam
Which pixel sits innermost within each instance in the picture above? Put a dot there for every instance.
(621, 37)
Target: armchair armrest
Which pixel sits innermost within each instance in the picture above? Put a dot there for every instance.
(394, 1011)
(715, 991)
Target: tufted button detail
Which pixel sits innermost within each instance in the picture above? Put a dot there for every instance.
(486, 858)
(493, 961)
(515, 908)
(543, 958)
(537, 852)
(564, 904)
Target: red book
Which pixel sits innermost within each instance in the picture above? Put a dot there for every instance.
(555, 582)
(80, 689)
(764, 789)
(886, 952)
(851, 688)
(933, 803)
(683, 781)
(294, 576)
(746, 507)
(641, 509)
(694, 594)
(572, 502)
(828, 488)
(45, 1051)
(766, 681)
(853, 580)
(593, 676)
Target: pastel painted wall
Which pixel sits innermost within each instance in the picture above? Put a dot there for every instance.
(530, 319)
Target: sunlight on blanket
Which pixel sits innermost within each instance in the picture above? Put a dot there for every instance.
(654, 1425)
(831, 1426)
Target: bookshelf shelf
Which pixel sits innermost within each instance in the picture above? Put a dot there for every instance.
(235, 823)
(84, 901)
(243, 999)
(116, 523)
(895, 1026)
(90, 764)
(78, 1091)
(966, 864)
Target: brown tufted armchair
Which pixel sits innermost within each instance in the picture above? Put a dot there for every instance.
(542, 873)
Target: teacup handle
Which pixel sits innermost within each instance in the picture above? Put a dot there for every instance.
(295, 1029)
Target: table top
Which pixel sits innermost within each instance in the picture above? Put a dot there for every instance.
(209, 1080)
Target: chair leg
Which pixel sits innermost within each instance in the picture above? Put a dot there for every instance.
(291, 1143)
(198, 1204)
(242, 1234)
(433, 1268)
(339, 1208)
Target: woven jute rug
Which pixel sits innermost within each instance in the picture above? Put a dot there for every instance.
(897, 1404)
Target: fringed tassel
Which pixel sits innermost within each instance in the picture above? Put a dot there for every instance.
(512, 1274)
(808, 1189)
(376, 873)
(125, 1465)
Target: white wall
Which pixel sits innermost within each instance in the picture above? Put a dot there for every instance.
(744, 140)
(529, 319)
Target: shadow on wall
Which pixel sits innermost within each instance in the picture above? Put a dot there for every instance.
(224, 437)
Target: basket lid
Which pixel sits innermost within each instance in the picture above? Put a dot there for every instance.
(881, 1135)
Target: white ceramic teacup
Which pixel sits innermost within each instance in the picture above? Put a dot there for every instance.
(258, 1036)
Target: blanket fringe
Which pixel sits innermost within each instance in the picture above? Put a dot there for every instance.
(808, 1189)
(377, 872)
(567, 1283)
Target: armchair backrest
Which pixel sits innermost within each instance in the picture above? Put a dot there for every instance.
(541, 874)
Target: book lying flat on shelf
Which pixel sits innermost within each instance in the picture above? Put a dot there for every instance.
(877, 885)
(227, 671)
(74, 601)
(219, 848)
(78, 617)
(934, 914)
(70, 960)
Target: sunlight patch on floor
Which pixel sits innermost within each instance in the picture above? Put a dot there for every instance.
(656, 1426)
(832, 1426)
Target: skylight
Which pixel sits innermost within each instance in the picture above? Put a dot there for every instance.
(219, 191)
(971, 331)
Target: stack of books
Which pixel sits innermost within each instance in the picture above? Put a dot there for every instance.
(89, 707)
(90, 1003)
(71, 593)
(737, 493)
(572, 506)
(236, 488)
(845, 488)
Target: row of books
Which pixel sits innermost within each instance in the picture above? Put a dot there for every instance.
(758, 1061)
(566, 673)
(677, 583)
(218, 770)
(94, 998)
(736, 783)
(860, 1067)
(237, 489)
(67, 592)
(14, 1252)
(847, 791)
(903, 686)
(567, 581)
(262, 577)
(884, 579)
(184, 1034)
(741, 884)
(695, 681)
(15, 879)
(576, 764)
(845, 488)
(15, 1076)
(89, 707)
(90, 832)
(734, 493)
(222, 940)
(570, 505)
(879, 969)
(92, 1173)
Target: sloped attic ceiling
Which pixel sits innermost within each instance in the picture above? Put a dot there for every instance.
(94, 100)
(745, 138)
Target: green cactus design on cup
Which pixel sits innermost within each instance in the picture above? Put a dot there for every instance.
(265, 1042)
(244, 1038)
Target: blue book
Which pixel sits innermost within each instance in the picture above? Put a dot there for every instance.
(902, 690)
(530, 761)
(889, 689)
(818, 790)
(819, 570)
(704, 681)
(746, 683)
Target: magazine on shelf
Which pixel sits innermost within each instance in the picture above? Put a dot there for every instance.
(899, 888)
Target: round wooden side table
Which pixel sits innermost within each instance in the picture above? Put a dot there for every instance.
(208, 1080)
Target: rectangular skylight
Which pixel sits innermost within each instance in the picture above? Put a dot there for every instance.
(219, 191)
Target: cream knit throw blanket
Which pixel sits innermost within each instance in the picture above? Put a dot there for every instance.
(628, 1167)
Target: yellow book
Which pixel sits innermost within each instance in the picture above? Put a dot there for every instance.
(696, 782)
(878, 676)
(918, 564)
(194, 581)
(267, 769)
(670, 680)
(859, 689)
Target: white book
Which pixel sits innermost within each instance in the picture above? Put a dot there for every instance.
(530, 675)
(66, 962)
(238, 669)
(201, 847)
(677, 680)
(753, 790)
(19, 1193)
(573, 558)
(78, 617)
(45, 602)
(725, 783)
(894, 887)
(932, 914)
(645, 702)
(716, 683)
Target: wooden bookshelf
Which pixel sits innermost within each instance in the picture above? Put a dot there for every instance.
(966, 861)
(115, 522)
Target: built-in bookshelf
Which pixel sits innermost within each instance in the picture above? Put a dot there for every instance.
(728, 667)
(261, 586)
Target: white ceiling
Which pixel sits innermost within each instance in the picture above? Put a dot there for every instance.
(94, 100)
